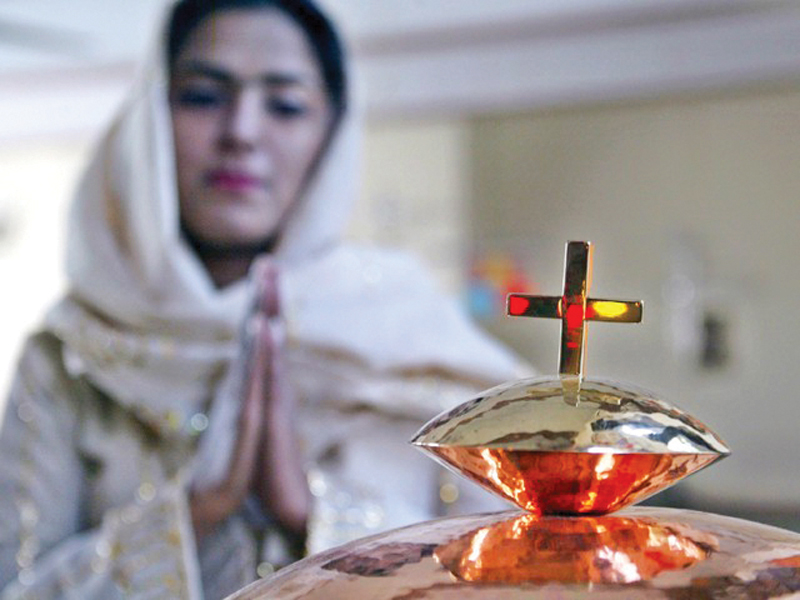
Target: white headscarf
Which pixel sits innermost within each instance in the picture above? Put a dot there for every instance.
(145, 323)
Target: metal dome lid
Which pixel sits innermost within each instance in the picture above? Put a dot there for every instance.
(540, 414)
(568, 444)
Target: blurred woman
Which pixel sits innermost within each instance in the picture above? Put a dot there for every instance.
(226, 383)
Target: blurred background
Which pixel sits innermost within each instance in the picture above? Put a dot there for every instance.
(665, 131)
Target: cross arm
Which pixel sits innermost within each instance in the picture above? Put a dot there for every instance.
(617, 311)
(551, 307)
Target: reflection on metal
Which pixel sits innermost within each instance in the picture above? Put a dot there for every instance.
(574, 308)
(533, 444)
(529, 549)
(638, 553)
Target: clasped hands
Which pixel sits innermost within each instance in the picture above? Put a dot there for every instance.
(265, 461)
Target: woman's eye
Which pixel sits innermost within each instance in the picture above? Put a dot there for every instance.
(286, 109)
(198, 98)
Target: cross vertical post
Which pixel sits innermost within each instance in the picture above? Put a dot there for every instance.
(577, 281)
(574, 308)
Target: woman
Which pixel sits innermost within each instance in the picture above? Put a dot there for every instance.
(224, 374)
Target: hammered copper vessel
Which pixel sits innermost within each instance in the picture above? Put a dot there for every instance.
(568, 450)
(640, 552)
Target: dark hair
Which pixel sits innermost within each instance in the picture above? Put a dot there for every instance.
(188, 14)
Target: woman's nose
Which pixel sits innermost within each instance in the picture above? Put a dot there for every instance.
(242, 125)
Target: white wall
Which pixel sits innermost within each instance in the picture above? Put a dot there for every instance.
(35, 183)
(415, 190)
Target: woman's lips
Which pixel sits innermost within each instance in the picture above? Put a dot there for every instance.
(234, 181)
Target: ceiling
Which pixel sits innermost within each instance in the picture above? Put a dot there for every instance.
(50, 34)
(64, 65)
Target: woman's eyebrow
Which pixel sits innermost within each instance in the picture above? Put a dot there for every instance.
(205, 69)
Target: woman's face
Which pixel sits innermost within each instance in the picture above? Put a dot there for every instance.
(250, 116)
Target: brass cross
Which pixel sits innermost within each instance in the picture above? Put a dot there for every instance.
(574, 308)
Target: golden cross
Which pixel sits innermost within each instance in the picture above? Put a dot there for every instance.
(574, 308)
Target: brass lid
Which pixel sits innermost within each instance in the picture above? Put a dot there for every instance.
(542, 415)
(567, 444)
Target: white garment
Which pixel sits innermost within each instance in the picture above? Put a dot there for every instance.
(100, 442)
